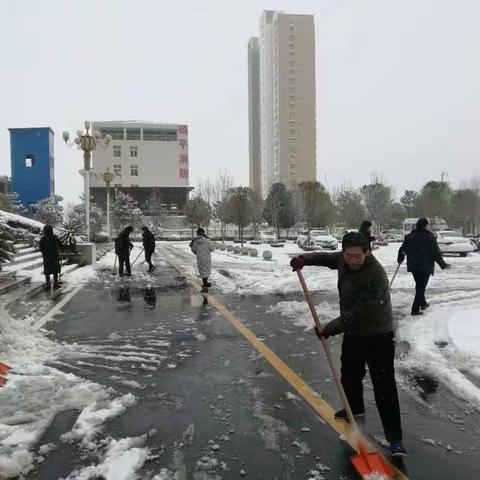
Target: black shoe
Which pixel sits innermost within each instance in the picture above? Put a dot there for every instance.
(342, 414)
(416, 312)
(151, 269)
(208, 284)
(204, 289)
(47, 287)
(424, 307)
(397, 450)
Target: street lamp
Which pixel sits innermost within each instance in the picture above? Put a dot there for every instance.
(87, 143)
(107, 176)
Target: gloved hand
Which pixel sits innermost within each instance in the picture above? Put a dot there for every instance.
(321, 333)
(297, 263)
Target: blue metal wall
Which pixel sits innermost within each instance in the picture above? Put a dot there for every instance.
(37, 182)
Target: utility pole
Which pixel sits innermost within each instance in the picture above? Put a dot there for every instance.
(442, 176)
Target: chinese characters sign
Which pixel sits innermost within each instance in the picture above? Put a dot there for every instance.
(183, 157)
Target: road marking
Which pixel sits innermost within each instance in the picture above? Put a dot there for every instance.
(42, 321)
(308, 394)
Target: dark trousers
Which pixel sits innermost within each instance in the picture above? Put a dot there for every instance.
(148, 257)
(124, 262)
(378, 353)
(55, 279)
(421, 282)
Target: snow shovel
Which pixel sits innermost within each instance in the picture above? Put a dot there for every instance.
(114, 271)
(394, 275)
(4, 368)
(366, 463)
(137, 257)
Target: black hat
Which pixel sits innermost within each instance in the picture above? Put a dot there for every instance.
(354, 239)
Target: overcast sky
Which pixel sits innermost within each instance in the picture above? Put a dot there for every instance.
(398, 82)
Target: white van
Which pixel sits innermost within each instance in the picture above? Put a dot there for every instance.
(410, 223)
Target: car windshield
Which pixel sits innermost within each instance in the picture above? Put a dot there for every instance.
(451, 234)
(318, 233)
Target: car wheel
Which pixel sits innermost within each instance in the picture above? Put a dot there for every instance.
(463, 254)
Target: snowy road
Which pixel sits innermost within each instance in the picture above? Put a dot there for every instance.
(128, 385)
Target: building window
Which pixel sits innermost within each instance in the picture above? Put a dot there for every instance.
(117, 151)
(30, 161)
(159, 135)
(134, 170)
(116, 133)
(133, 151)
(133, 134)
(117, 169)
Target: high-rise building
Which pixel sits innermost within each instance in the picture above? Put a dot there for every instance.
(254, 114)
(287, 100)
(145, 156)
(32, 164)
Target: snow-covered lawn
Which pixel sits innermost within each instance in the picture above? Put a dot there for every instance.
(443, 343)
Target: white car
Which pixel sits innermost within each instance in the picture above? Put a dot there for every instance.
(268, 236)
(454, 242)
(318, 238)
(393, 235)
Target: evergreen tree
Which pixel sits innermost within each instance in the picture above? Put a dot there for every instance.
(48, 212)
(279, 211)
(125, 211)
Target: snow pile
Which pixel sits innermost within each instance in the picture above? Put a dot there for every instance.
(20, 220)
(300, 313)
(34, 394)
(122, 460)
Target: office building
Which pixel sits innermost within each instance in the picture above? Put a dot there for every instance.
(145, 156)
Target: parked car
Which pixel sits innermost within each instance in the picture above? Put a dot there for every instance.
(268, 236)
(454, 242)
(317, 238)
(392, 235)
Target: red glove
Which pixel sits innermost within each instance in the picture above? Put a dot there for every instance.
(297, 263)
(321, 333)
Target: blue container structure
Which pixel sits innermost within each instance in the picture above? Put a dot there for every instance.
(32, 163)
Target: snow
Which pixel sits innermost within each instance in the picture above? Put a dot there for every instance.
(451, 321)
(122, 460)
(12, 217)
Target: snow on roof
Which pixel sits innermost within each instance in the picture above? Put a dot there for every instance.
(134, 122)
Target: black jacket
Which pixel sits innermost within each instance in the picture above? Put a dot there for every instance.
(422, 251)
(365, 306)
(50, 247)
(148, 241)
(365, 231)
(123, 245)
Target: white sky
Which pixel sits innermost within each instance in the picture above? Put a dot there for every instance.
(398, 82)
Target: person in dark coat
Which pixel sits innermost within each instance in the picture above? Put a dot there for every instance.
(365, 230)
(149, 247)
(50, 247)
(123, 247)
(422, 251)
(366, 321)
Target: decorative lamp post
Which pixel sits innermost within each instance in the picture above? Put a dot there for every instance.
(87, 143)
(107, 176)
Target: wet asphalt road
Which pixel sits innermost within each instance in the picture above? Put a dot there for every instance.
(211, 389)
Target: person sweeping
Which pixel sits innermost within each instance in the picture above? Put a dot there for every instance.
(366, 321)
(203, 247)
